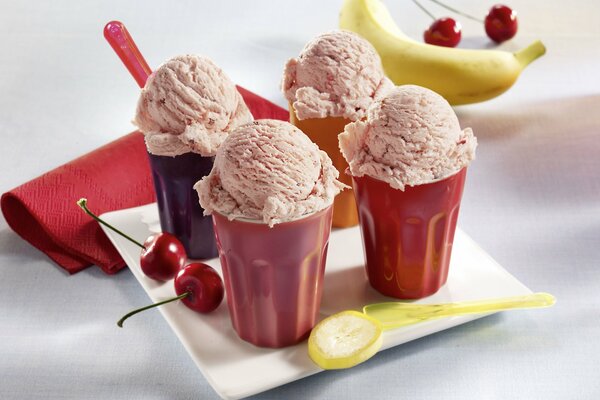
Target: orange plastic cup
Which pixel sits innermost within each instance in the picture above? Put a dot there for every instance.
(324, 132)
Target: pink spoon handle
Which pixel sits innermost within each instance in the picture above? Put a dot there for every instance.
(119, 39)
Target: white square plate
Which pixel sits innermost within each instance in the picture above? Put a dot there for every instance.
(237, 369)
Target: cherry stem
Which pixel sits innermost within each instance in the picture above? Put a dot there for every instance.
(424, 9)
(129, 314)
(454, 10)
(83, 204)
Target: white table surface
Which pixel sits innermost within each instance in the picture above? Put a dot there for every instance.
(532, 200)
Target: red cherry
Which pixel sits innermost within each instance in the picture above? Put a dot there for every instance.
(162, 256)
(443, 32)
(204, 286)
(198, 286)
(501, 23)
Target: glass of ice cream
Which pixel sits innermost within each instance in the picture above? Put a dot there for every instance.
(408, 163)
(185, 111)
(271, 192)
(334, 80)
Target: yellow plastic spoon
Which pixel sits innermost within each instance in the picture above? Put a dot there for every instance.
(348, 338)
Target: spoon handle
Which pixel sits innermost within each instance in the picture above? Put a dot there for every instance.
(533, 300)
(122, 43)
(397, 314)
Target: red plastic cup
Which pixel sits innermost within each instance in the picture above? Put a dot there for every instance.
(273, 276)
(408, 235)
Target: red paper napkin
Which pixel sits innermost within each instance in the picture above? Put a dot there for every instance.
(115, 176)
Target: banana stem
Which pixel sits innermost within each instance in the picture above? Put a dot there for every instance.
(530, 53)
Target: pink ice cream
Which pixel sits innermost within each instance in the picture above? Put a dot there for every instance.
(270, 171)
(189, 105)
(338, 74)
(410, 137)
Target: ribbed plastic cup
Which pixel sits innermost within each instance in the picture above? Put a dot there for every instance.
(324, 132)
(178, 205)
(408, 235)
(273, 276)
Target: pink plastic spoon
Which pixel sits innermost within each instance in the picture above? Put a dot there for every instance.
(119, 39)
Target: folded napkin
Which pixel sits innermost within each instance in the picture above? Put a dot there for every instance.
(115, 176)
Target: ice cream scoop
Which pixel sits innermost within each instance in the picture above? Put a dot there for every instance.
(270, 194)
(333, 81)
(338, 74)
(408, 164)
(410, 137)
(270, 171)
(188, 105)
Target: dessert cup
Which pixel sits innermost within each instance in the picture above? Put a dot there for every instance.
(178, 206)
(324, 132)
(273, 276)
(408, 235)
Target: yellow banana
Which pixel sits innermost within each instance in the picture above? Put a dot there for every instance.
(462, 76)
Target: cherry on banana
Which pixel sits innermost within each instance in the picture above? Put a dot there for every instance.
(462, 76)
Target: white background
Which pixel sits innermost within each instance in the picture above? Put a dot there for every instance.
(532, 200)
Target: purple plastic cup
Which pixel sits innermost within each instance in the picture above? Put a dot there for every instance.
(178, 205)
(274, 276)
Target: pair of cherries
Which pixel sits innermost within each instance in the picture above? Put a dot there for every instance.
(163, 257)
(500, 25)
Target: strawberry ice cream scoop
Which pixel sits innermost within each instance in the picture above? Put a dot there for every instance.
(410, 137)
(188, 105)
(268, 170)
(338, 74)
